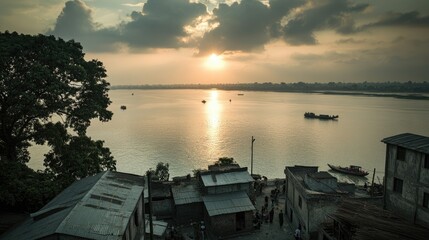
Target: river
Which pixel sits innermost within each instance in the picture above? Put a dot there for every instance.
(175, 127)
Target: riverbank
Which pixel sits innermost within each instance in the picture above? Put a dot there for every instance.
(407, 90)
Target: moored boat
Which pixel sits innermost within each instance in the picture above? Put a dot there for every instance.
(320, 116)
(353, 170)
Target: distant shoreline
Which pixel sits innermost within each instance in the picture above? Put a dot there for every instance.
(408, 90)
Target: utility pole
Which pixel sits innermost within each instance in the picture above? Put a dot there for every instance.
(251, 157)
(149, 191)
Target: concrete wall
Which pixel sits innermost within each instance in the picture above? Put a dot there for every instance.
(188, 213)
(318, 213)
(225, 225)
(409, 203)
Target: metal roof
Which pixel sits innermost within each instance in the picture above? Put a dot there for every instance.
(226, 178)
(410, 141)
(97, 207)
(233, 202)
(159, 227)
(321, 175)
(185, 194)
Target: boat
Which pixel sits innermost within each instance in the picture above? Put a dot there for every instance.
(320, 116)
(353, 170)
(123, 107)
(204, 101)
(240, 94)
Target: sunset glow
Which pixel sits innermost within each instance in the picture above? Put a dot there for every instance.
(214, 62)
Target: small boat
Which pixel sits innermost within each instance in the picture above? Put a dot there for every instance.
(204, 101)
(353, 170)
(320, 116)
(123, 107)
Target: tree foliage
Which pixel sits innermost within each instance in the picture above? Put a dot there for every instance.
(49, 94)
(161, 172)
(43, 78)
(225, 161)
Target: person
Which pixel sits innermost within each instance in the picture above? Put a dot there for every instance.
(297, 234)
(271, 215)
(281, 218)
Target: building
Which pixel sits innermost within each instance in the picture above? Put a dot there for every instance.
(108, 205)
(228, 209)
(357, 220)
(312, 195)
(407, 177)
(188, 203)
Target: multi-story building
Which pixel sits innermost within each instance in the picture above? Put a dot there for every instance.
(310, 196)
(407, 177)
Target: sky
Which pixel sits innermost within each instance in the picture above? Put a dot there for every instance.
(230, 41)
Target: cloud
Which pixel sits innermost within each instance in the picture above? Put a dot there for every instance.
(161, 24)
(409, 19)
(320, 15)
(75, 20)
(246, 26)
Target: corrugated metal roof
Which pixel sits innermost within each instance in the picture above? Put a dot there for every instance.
(185, 194)
(233, 202)
(411, 141)
(321, 175)
(159, 228)
(226, 178)
(97, 207)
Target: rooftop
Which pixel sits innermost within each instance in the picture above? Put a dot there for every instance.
(321, 175)
(94, 207)
(219, 178)
(410, 141)
(186, 194)
(226, 203)
(370, 222)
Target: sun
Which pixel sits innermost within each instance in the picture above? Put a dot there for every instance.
(214, 61)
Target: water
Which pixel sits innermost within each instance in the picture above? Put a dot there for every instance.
(174, 126)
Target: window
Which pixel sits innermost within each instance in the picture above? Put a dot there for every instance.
(299, 201)
(426, 164)
(426, 200)
(397, 185)
(400, 153)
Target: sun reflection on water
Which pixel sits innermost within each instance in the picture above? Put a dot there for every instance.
(213, 113)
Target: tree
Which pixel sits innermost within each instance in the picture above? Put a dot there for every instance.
(225, 161)
(49, 94)
(43, 78)
(161, 172)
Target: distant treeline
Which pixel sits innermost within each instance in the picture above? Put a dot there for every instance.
(404, 90)
(330, 88)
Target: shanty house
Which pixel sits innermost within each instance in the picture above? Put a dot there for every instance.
(407, 177)
(215, 182)
(108, 205)
(228, 213)
(226, 195)
(188, 203)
